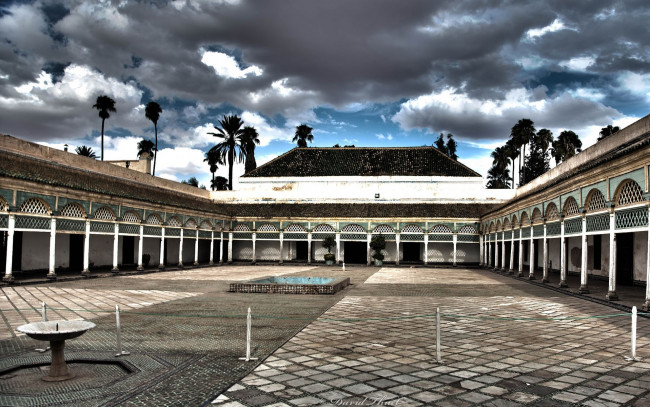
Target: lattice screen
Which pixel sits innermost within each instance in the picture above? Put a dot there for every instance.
(442, 229)
(506, 224)
(267, 228)
(73, 210)
(492, 227)
(205, 225)
(153, 219)
(104, 213)
(468, 229)
(537, 216)
(515, 222)
(130, 217)
(498, 225)
(353, 229)
(323, 228)
(383, 229)
(191, 223)
(295, 228)
(3, 205)
(571, 207)
(242, 228)
(595, 201)
(412, 229)
(552, 213)
(524, 219)
(173, 221)
(34, 205)
(629, 194)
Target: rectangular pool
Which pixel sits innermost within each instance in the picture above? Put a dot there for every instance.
(292, 285)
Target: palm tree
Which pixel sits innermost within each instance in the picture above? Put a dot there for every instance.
(544, 139)
(498, 178)
(566, 146)
(219, 183)
(152, 112)
(145, 146)
(249, 138)
(452, 146)
(500, 163)
(608, 131)
(512, 151)
(86, 151)
(230, 132)
(214, 161)
(105, 105)
(522, 133)
(303, 135)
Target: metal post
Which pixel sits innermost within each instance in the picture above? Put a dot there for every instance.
(248, 337)
(51, 275)
(633, 338)
(438, 355)
(44, 317)
(120, 352)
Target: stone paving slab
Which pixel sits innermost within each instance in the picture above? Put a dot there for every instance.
(224, 273)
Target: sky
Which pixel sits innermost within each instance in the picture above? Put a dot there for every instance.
(363, 72)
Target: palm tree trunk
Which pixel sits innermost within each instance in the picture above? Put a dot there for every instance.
(103, 139)
(231, 158)
(513, 173)
(155, 154)
(213, 180)
(522, 174)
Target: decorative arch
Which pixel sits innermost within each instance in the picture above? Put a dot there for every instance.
(73, 210)
(241, 227)
(467, 229)
(628, 193)
(412, 229)
(323, 228)
(105, 213)
(131, 217)
(383, 229)
(552, 213)
(515, 222)
(354, 228)
(35, 206)
(267, 227)
(218, 228)
(571, 207)
(173, 221)
(190, 223)
(525, 221)
(506, 224)
(205, 225)
(446, 229)
(498, 225)
(537, 216)
(595, 201)
(296, 228)
(153, 219)
(492, 227)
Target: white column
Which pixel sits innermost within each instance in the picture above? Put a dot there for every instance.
(161, 263)
(455, 240)
(140, 243)
(338, 247)
(211, 247)
(254, 240)
(489, 251)
(196, 247)
(426, 248)
(646, 305)
(116, 239)
(281, 245)
(496, 250)
(583, 259)
(229, 247)
(86, 249)
(520, 266)
(50, 273)
(480, 250)
(397, 236)
(308, 247)
(531, 269)
(511, 269)
(503, 250)
(8, 277)
(221, 248)
(545, 266)
(611, 291)
(562, 256)
(180, 250)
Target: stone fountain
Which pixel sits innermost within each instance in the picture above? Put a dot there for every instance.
(56, 332)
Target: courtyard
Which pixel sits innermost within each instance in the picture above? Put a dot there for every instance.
(505, 342)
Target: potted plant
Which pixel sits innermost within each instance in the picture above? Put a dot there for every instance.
(328, 243)
(377, 244)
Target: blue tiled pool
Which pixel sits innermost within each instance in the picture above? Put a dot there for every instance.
(294, 280)
(292, 285)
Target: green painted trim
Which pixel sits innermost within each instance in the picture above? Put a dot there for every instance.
(637, 175)
(601, 186)
(7, 195)
(22, 196)
(63, 201)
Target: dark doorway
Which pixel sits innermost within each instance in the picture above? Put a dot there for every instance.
(536, 254)
(355, 252)
(128, 250)
(17, 255)
(301, 250)
(204, 251)
(624, 258)
(165, 254)
(3, 251)
(411, 252)
(76, 259)
(216, 251)
(515, 259)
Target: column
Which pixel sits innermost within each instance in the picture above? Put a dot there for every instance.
(8, 277)
(426, 249)
(116, 240)
(583, 259)
(229, 247)
(489, 252)
(308, 247)
(496, 250)
(338, 247)
(511, 270)
(140, 242)
(85, 271)
(161, 263)
(281, 245)
(368, 238)
(211, 247)
(503, 250)
(480, 251)
(531, 261)
(646, 305)
(520, 266)
(562, 256)
(221, 247)
(196, 247)
(254, 238)
(545, 266)
(455, 240)
(611, 292)
(180, 250)
(397, 249)
(51, 275)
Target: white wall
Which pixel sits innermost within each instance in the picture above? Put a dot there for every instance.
(150, 246)
(62, 255)
(640, 257)
(101, 250)
(36, 251)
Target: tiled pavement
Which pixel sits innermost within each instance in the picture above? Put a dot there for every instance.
(490, 356)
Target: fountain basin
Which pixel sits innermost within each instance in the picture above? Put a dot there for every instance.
(292, 285)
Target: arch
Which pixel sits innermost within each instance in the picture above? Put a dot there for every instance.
(130, 216)
(323, 228)
(498, 225)
(73, 210)
(104, 213)
(190, 223)
(354, 228)
(3, 205)
(446, 229)
(468, 230)
(383, 229)
(218, 227)
(173, 221)
(571, 207)
(595, 201)
(506, 224)
(412, 229)
(36, 206)
(492, 227)
(294, 227)
(537, 216)
(525, 221)
(267, 227)
(205, 225)
(551, 212)
(628, 193)
(241, 227)
(153, 219)
(515, 222)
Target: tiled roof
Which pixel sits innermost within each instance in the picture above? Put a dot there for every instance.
(362, 161)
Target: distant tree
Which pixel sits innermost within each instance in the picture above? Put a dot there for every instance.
(537, 162)
(500, 162)
(192, 181)
(440, 144)
(145, 146)
(512, 151)
(219, 183)
(152, 112)
(522, 133)
(214, 161)
(249, 138)
(349, 146)
(86, 151)
(544, 140)
(303, 135)
(566, 146)
(336, 146)
(104, 105)
(498, 178)
(608, 131)
(449, 148)
(230, 131)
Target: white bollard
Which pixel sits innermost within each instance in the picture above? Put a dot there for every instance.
(248, 337)
(120, 352)
(44, 317)
(343, 266)
(438, 355)
(633, 337)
